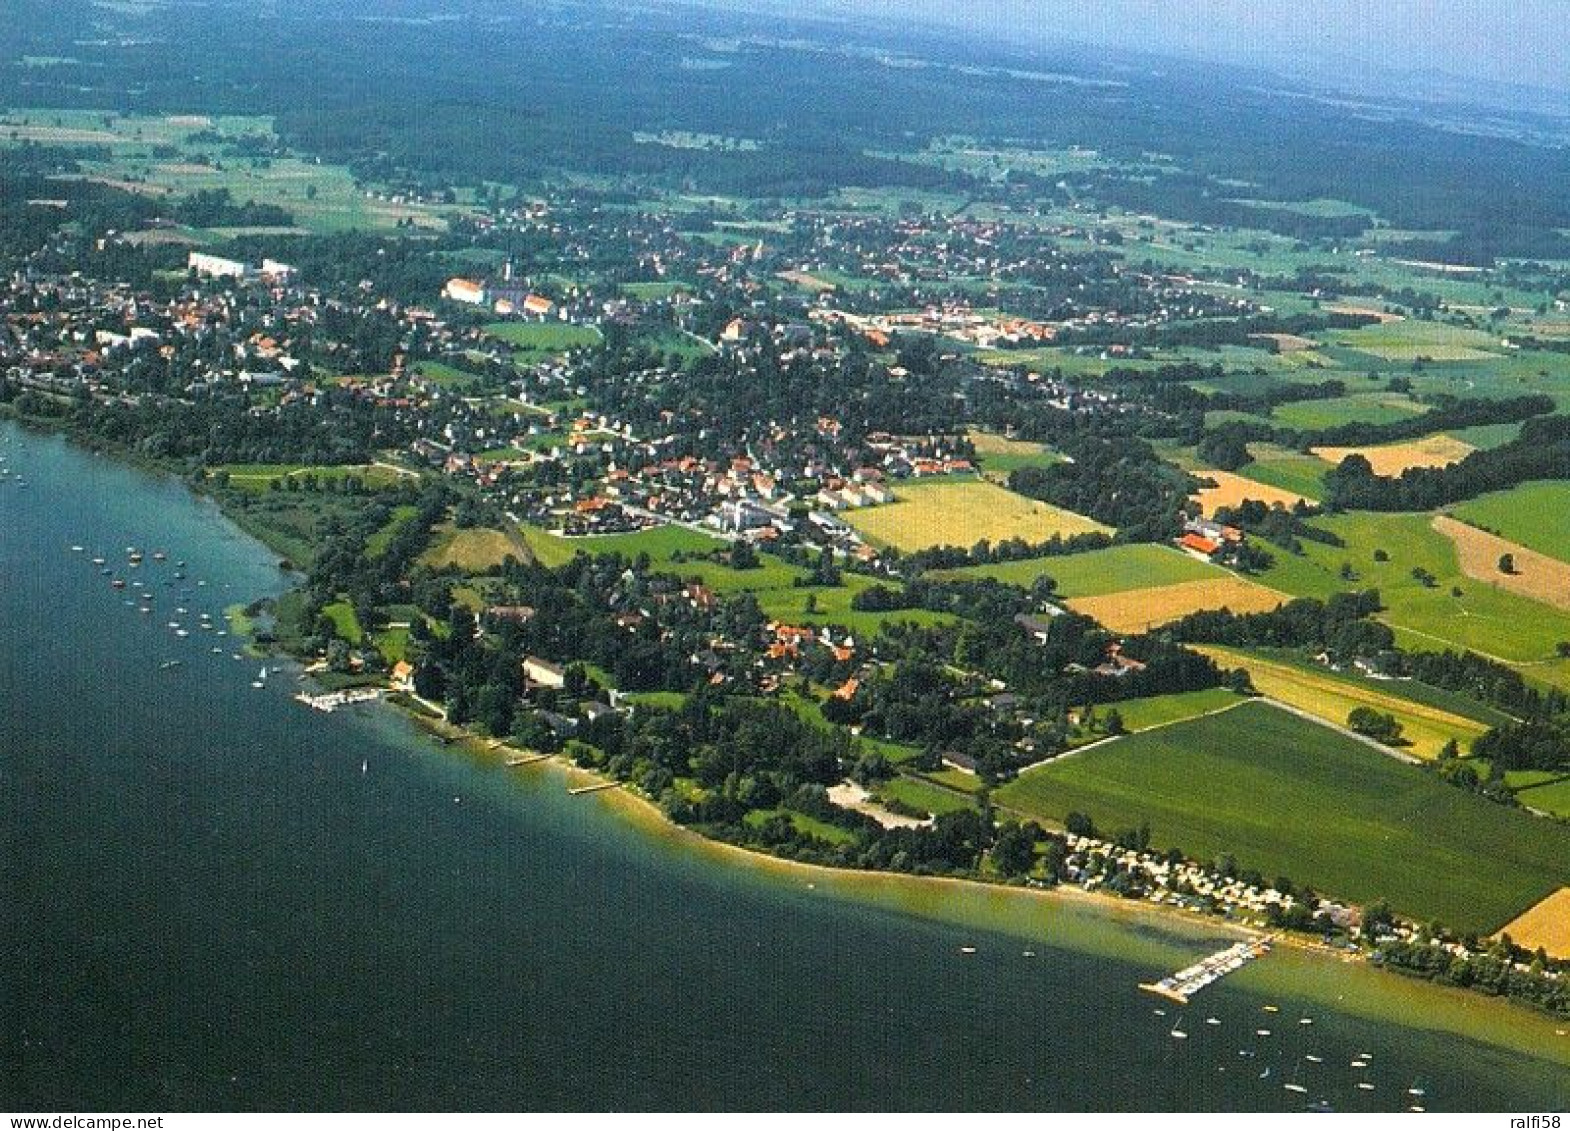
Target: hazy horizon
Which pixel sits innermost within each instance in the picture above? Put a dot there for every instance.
(1522, 44)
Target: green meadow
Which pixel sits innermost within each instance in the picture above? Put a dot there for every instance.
(1094, 573)
(1433, 617)
(1288, 797)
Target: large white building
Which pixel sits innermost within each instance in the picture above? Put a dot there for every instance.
(465, 290)
(216, 267)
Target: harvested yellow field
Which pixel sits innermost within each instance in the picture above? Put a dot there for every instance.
(1138, 610)
(1393, 459)
(1536, 576)
(473, 551)
(1545, 925)
(1231, 489)
(991, 444)
(1326, 696)
(962, 512)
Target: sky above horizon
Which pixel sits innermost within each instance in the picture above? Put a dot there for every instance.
(1522, 41)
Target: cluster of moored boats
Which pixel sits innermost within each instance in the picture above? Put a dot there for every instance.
(1360, 1064)
(134, 574)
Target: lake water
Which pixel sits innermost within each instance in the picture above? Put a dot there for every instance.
(212, 897)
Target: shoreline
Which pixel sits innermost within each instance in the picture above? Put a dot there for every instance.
(1038, 914)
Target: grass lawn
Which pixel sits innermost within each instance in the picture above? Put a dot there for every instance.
(472, 551)
(807, 826)
(1288, 797)
(341, 613)
(1097, 572)
(1533, 514)
(1485, 619)
(961, 512)
(923, 795)
(450, 376)
(543, 338)
(259, 477)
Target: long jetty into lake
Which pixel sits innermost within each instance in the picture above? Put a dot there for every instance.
(1190, 980)
(595, 788)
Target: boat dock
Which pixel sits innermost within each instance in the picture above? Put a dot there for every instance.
(527, 760)
(332, 700)
(1190, 980)
(595, 788)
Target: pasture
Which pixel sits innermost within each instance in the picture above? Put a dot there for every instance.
(1286, 470)
(1533, 575)
(772, 582)
(1428, 615)
(1287, 797)
(1000, 456)
(962, 512)
(1532, 514)
(1140, 610)
(1357, 408)
(321, 197)
(1116, 569)
(1413, 339)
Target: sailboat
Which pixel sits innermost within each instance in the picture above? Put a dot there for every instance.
(1293, 1085)
(1177, 1029)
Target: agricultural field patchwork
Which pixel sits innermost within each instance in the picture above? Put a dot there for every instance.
(1331, 697)
(1288, 797)
(1532, 575)
(1428, 599)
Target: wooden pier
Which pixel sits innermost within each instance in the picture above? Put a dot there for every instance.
(527, 759)
(334, 699)
(1190, 980)
(595, 788)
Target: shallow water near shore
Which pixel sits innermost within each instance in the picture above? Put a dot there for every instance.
(213, 897)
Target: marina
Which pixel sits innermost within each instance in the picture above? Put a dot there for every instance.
(332, 700)
(1180, 987)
